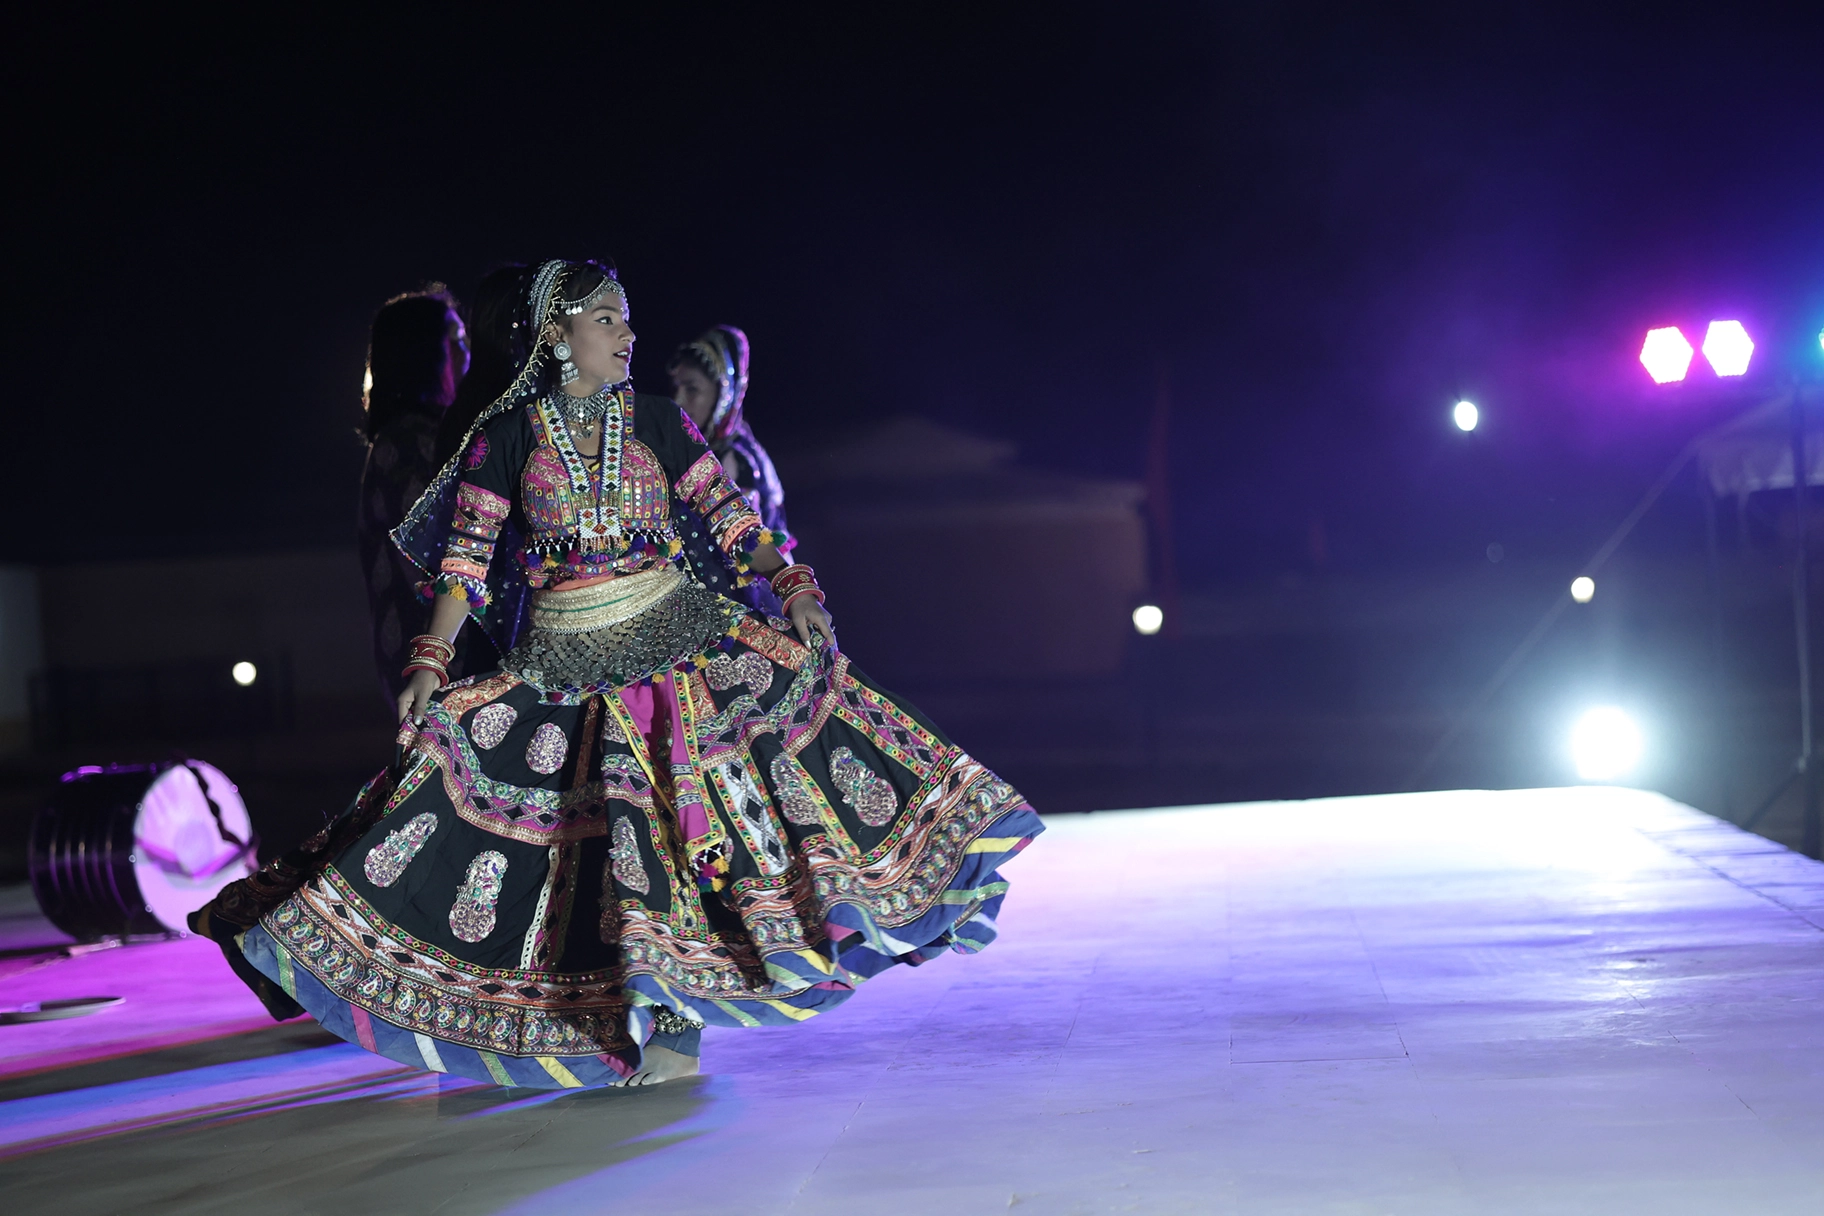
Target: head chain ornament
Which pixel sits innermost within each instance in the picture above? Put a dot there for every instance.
(542, 299)
(609, 284)
(546, 297)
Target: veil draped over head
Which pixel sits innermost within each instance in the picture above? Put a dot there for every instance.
(724, 351)
(422, 535)
(721, 354)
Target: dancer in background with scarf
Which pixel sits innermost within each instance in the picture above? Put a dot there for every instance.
(709, 381)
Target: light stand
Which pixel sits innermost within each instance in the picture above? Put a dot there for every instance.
(1803, 767)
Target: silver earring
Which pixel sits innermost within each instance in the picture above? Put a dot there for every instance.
(566, 372)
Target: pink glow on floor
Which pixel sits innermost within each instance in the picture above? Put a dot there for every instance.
(177, 992)
(1572, 1001)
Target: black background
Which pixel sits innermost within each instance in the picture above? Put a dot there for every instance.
(1324, 222)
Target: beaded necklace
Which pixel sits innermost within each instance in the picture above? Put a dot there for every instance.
(598, 523)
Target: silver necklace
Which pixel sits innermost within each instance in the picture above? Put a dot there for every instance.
(585, 413)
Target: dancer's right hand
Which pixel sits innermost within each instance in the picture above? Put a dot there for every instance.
(417, 696)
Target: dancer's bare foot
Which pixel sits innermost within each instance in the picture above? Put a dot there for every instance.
(660, 1064)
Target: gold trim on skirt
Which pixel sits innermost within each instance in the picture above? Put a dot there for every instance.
(585, 609)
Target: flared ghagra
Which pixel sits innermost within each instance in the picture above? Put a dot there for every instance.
(552, 872)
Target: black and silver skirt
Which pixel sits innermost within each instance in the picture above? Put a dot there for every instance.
(664, 811)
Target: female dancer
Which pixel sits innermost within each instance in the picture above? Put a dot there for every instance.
(665, 810)
(417, 354)
(709, 382)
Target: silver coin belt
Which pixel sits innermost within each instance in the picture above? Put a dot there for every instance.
(569, 667)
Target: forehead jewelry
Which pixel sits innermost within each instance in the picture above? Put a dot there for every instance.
(573, 307)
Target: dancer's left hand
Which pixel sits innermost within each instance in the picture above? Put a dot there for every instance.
(808, 615)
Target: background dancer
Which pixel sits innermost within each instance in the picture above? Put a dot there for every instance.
(417, 355)
(497, 351)
(664, 811)
(709, 381)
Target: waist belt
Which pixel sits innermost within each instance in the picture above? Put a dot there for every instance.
(608, 636)
(586, 609)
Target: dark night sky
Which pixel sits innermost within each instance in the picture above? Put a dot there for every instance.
(1326, 222)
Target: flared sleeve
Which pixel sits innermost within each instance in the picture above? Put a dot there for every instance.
(699, 481)
(755, 474)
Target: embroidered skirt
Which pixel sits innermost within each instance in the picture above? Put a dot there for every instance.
(602, 837)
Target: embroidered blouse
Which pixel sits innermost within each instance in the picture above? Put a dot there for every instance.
(523, 466)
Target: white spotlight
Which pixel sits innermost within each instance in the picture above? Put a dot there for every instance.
(244, 673)
(1605, 744)
(1148, 618)
(1583, 588)
(1466, 415)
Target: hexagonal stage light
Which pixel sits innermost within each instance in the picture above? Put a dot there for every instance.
(1728, 347)
(1666, 355)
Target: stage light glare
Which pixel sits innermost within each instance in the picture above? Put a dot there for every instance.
(367, 381)
(1728, 347)
(1148, 618)
(1666, 355)
(1466, 415)
(244, 673)
(1583, 588)
(1605, 744)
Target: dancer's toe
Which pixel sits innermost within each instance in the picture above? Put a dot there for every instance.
(659, 1065)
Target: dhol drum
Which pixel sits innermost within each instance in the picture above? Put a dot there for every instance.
(124, 850)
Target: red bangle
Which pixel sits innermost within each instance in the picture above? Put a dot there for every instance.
(814, 592)
(789, 582)
(428, 652)
(430, 646)
(443, 675)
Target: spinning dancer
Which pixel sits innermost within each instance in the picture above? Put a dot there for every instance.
(664, 811)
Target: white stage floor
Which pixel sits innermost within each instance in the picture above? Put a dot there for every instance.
(1557, 1001)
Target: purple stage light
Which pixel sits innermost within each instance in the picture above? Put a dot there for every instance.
(1728, 347)
(1666, 355)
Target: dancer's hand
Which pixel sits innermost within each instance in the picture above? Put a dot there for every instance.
(417, 696)
(807, 615)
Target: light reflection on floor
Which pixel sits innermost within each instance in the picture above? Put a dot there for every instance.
(1578, 1000)
(222, 1091)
